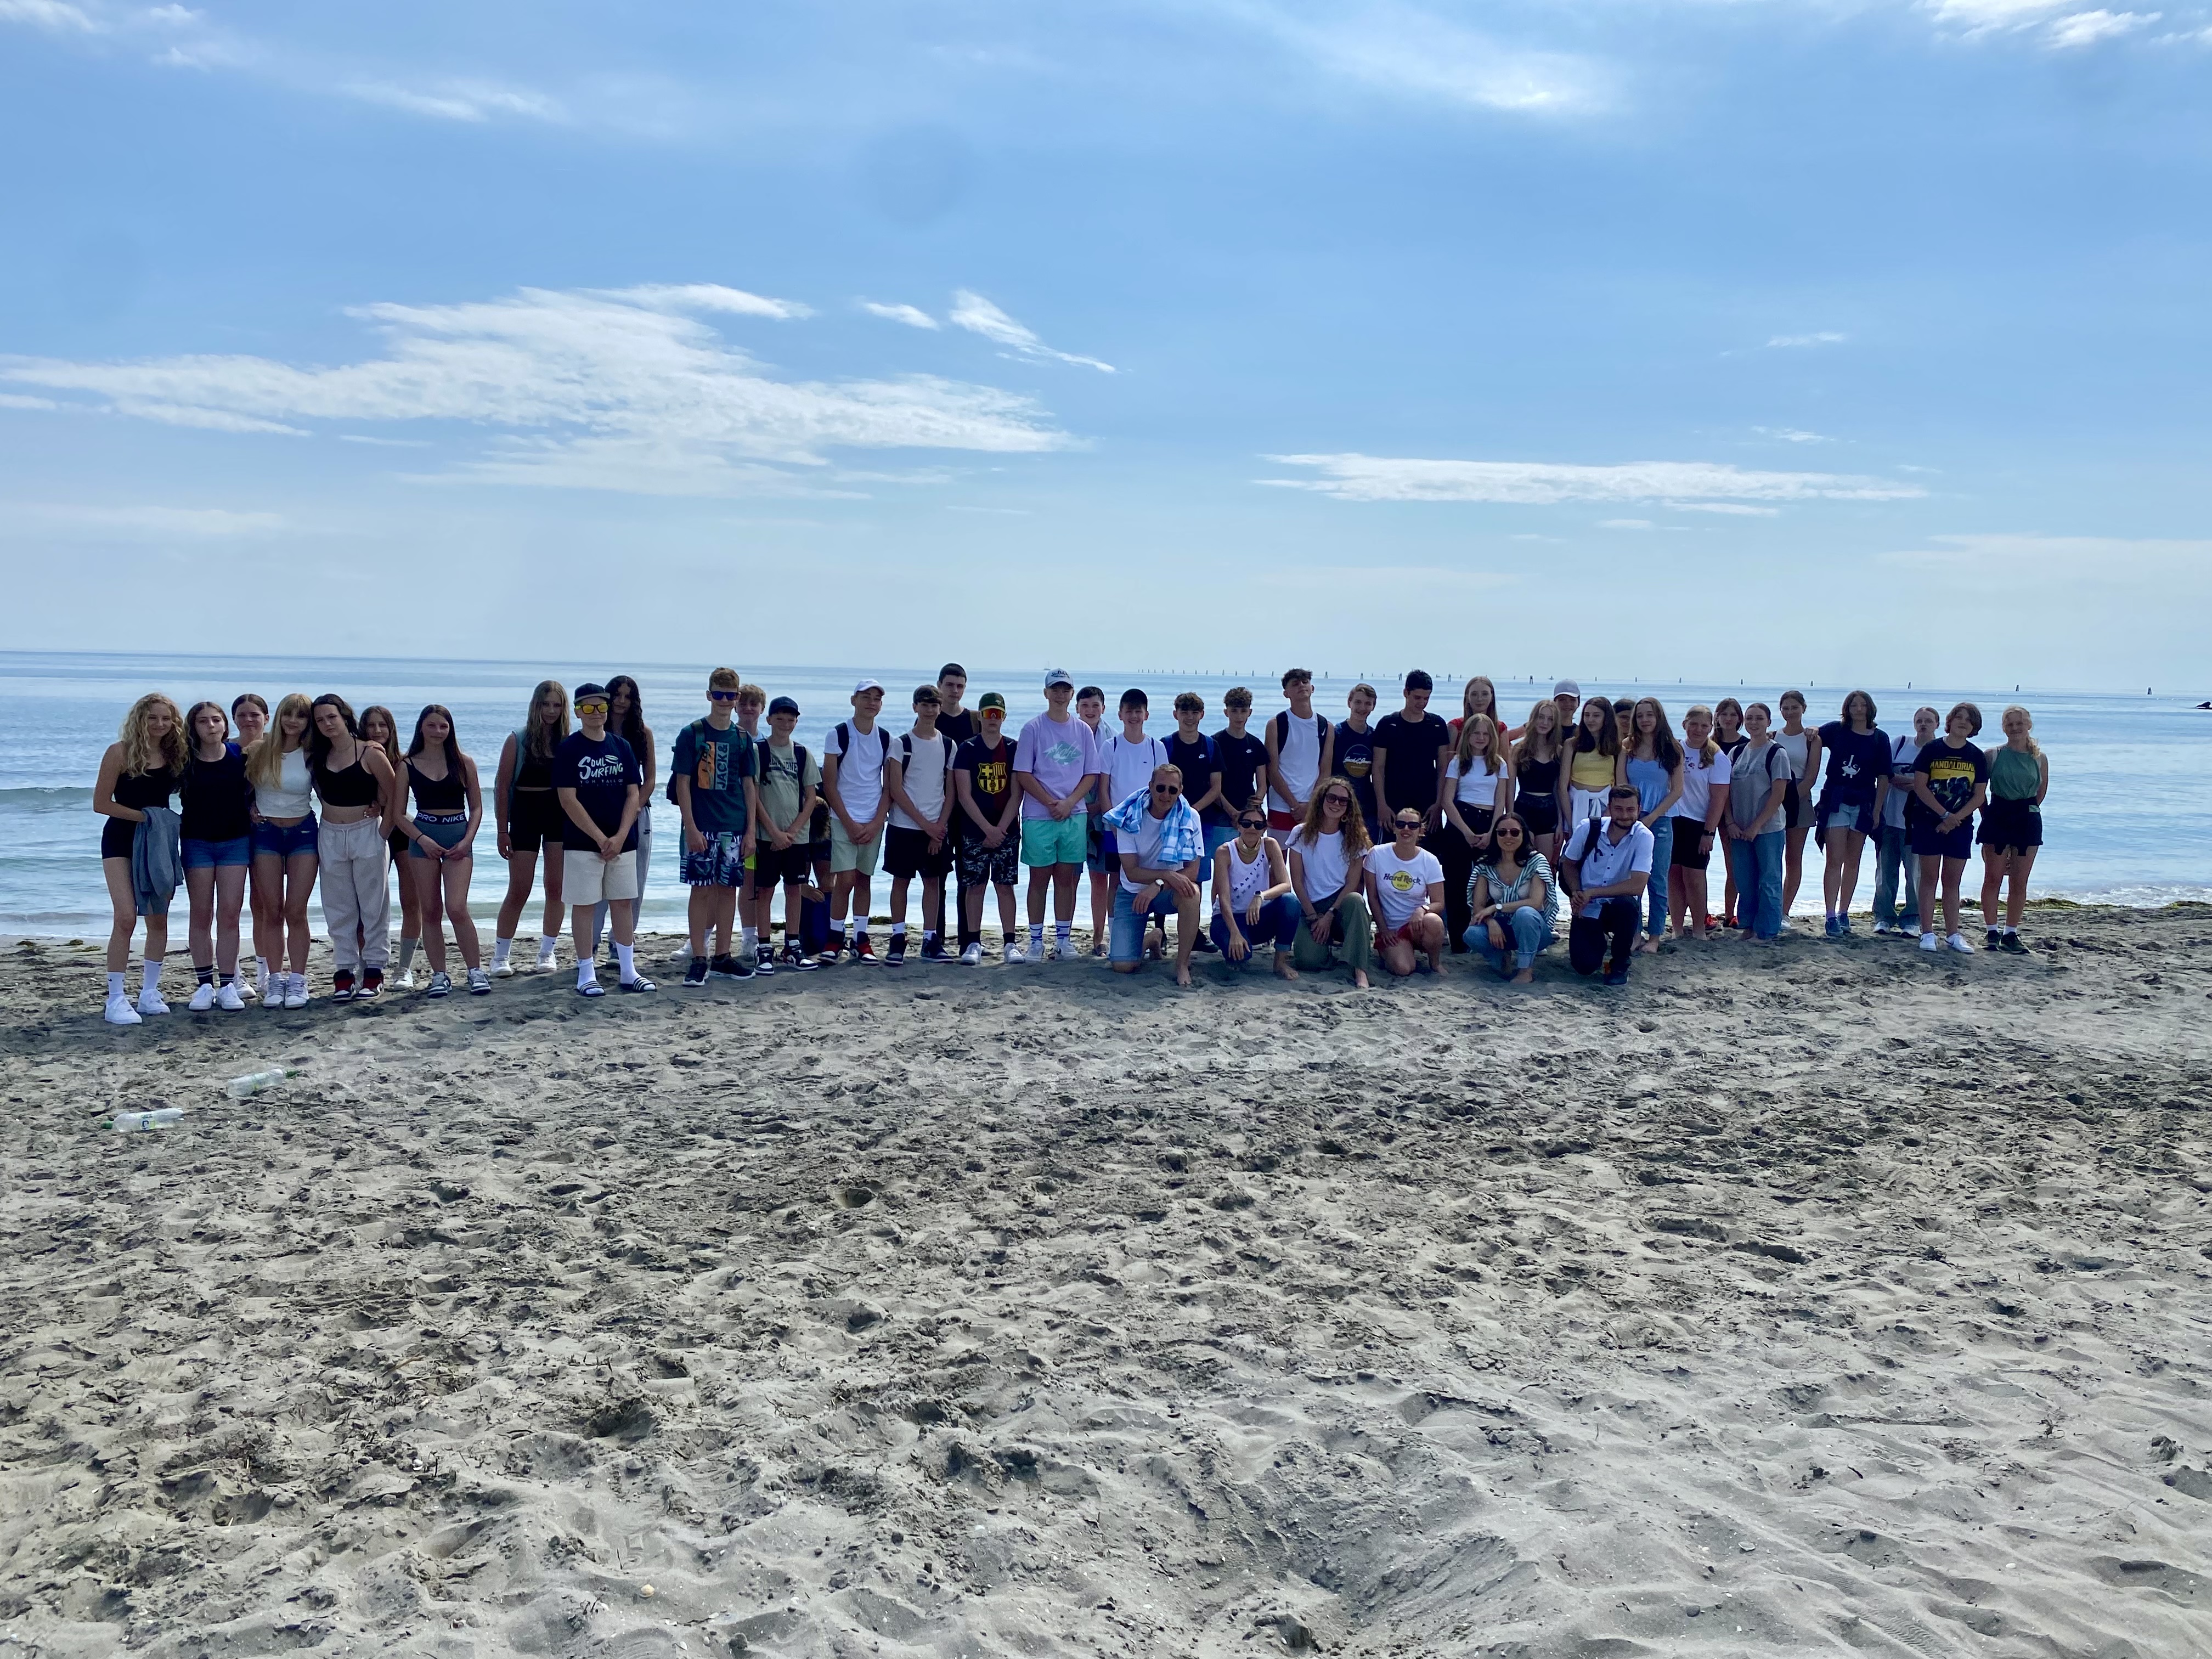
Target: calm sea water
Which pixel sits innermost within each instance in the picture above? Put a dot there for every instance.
(2128, 820)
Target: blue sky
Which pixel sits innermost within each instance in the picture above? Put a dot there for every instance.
(1791, 340)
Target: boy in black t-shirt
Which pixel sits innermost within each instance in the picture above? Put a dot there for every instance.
(988, 820)
(1409, 748)
(600, 787)
(1241, 756)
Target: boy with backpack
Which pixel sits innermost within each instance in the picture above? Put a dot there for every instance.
(788, 789)
(710, 779)
(918, 840)
(1300, 745)
(854, 756)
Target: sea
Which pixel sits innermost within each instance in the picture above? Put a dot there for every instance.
(2128, 820)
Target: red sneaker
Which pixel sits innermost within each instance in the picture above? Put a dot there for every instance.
(342, 986)
(862, 950)
(371, 982)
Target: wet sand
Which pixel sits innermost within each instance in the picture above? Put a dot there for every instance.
(1815, 1299)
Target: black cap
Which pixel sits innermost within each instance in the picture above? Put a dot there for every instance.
(588, 689)
(783, 705)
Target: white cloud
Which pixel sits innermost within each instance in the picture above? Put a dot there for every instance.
(54, 15)
(705, 296)
(206, 522)
(586, 390)
(978, 315)
(1787, 341)
(1373, 478)
(1976, 14)
(2085, 29)
(1624, 524)
(1402, 49)
(17, 400)
(1736, 508)
(384, 443)
(912, 316)
(1790, 435)
(473, 102)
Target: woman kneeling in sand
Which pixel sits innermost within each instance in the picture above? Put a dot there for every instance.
(1514, 901)
(1326, 873)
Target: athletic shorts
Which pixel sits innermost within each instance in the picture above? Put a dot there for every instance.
(847, 855)
(1690, 851)
(1047, 841)
(793, 866)
(1796, 811)
(444, 830)
(722, 865)
(982, 865)
(906, 854)
(2010, 826)
(1100, 854)
(1930, 842)
(283, 841)
(534, 818)
(587, 878)
(217, 854)
(1282, 823)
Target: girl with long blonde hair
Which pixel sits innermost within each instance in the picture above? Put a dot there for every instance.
(527, 814)
(1705, 770)
(1475, 786)
(1539, 778)
(285, 862)
(2012, 826)
(138, 773)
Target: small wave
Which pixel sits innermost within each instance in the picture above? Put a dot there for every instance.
(32, 796)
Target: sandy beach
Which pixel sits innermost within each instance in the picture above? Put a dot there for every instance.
(1819, 1299)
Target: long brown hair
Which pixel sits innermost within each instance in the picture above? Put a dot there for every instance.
(390, 742)
(1463, 751)
(1666, 748)
(1355, 821)
(1606, 740)
(142, 751)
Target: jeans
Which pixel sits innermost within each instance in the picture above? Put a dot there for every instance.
(1663, 859)
(1892, 848)
(1610, 933)
(1530, 930)
(1353, 938)
(644, 851)
(1125, 929)
(1756, 865)
(356, 893)
(1278, 926)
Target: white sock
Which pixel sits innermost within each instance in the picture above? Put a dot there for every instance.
(585, 973)
(898, 930)
(752, 940)
(546, 942)
(1036, 936)
(261, 972)
(499, 947)
(624, 957)
(1061, 930)
(151, 984)
(115, 987)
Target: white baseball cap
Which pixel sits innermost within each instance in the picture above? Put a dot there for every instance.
(867, 685)
(1057, 677)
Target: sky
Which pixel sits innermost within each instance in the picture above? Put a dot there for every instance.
(1616, 337)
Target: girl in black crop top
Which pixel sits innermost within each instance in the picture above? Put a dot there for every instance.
(216, 820)
(140, 771)
(448, 810)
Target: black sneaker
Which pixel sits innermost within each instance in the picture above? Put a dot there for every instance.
(895, 953)
(798, 961)
(1995, 939)
(1203, 946)
(765, 959)
(695, 975)
(732, 967)
(2011, 945)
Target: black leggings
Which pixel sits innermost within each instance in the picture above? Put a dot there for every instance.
(1458, 859)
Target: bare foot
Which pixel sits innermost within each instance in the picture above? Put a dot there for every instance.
(1183, 974)
(1526, 977)
(1437, 968)
(1359, 979)
(1650, 947)
(1284, 971)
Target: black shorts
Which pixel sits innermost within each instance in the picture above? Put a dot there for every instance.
(982, 865)
(1691, 852)
(534, 818)
(1539, 812)
(906, 854)
(1797, 805)
(773, 864)
(2011, 826)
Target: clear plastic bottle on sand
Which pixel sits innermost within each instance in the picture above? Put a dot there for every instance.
(162, 1117)
(254, 1082)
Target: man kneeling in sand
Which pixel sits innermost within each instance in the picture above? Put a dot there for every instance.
(1162, 845)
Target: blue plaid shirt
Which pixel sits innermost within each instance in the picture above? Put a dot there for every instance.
(1183, 837)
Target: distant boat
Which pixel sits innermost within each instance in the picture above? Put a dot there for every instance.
(2204, 705)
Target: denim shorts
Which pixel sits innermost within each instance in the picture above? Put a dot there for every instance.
(277, 841)
(218, 854)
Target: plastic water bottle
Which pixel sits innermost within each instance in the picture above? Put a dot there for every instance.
(254, 1082)
(133, 1122)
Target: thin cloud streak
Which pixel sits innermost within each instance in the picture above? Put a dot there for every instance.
(972, 311)
(1355, 477)
(912, 316)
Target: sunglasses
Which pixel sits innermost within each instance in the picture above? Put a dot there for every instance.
(1408, 824)
(1167, 789)
(722, 696)
(1344, 801)
(586, 708)
(1251, 823)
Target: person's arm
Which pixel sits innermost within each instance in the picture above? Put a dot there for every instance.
(694, 840)
(502, 797)
(1479, 906)
(631, 802)
(945, 806)
(1326, 760)
(1318, 918)
(578, 815)
(1926, 796)
(1652, 818)
(1221, 904)
(103, 788)
(1212, 795)
(1880, 799)
(1378, 775)
(648, 764)
(752, 805)
(809, 797)
(895, 789)
(1629, 886)
(1093, 783)
(1278, 875)
(963, 788)
(1372, 889)
(389, 797)
(831, 766)
(1774, 795)
(1812, 761)
(1433, 902)
(2042, 778)
(472, 787)
(1446, 804)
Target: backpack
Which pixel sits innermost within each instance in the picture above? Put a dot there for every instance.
(843, 732)
(1282, 728)
(669, 789)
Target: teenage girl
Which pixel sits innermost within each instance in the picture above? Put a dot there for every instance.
(359, 790)
(1950, 781)
(1653, 765)
(140, 770)
(528, 814)
(1803, 747)
(441, 844)
(1538, 777)
(1594, 762)
(1475, 787)
(249, 716)
(1859, 758)
(1706, 773)
(1624, 720)
(378, 726)
(2011, 825)
(217, 821)
(626, 719)
(1328, 856)
(1728, 732)
(284, 861)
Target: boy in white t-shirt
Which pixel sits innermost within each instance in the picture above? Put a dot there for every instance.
(1406, 888)
(853, 759)
(918, 840)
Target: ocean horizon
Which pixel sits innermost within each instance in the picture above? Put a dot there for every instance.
(2111, 836)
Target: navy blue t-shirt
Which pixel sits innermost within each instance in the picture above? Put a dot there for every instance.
(1243, 761)
(1355, 763)
(1197, 762)
(601, 774)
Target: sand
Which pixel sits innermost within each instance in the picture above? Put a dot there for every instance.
(1820, 1299)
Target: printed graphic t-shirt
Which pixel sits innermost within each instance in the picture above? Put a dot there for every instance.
(1401, 884)
(1059, 755)
(602, 774)
(990, 770)
(1355, 763)
(1952, 774)
(718, 763)
(1857, 761)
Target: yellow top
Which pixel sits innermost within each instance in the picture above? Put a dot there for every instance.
(1590, 770)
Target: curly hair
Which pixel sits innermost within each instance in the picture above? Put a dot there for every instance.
(142, 751)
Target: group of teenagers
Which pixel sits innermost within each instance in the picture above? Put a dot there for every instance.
(1351, 844)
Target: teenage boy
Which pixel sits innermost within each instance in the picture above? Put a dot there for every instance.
(852, 761)
(752, 703)
(1190, 751)
(601, 788)
(1090, 709)
(712, 770)
(1160, 844)
(1242, 758)
(1409, 747)
(1057, 769)
(1604, 866)
(1300, 746)
(1355, 756)
(990, 810)
(1127, 758)
(1567, 698)
(789, 792)
(959, 724)
(1894, 846)
(918, 842)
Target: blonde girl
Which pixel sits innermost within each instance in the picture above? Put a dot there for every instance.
(1706, 771)
(138, 775)
(2012, 826)
(285, 860)
(528, 816)
(1540, 781)
(1475, 785)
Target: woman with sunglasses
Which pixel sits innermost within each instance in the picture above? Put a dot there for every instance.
(1325, 852)
(1253, 901)
(1405, 892)
(1514, 901)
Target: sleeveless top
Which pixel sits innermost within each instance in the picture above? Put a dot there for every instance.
(1299, 755)
(445, 794)
(2013, 776)
(350, 786)
(288, 798)
(217, 799)
(1247, 880)
(142, 790)
(1650, 779)
(1590, 769)
(1539, 778)
(1797, 749)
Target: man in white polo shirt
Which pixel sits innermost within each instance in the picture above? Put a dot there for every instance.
(1605, 866)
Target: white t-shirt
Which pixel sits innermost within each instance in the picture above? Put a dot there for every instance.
(1326, 865)
(1477, 788)
(924, 761)
(1903, 751)
(1401, 884)
(861, 773)
(1698, 782)
(1299, 759)
(1605, 860)
(1128, 766)
(1145, 844)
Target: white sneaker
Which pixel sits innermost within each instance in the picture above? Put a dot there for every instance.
(246, 987)
(230, 998)
(479, 982)
(295, 990)
(973, 955)
(1962, 944)
(1929, 942)
(203, 997)
(546, 963)
(504, 970)
(149, 1002)
(1016, 955)
(405, 981)
(120, 1012)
